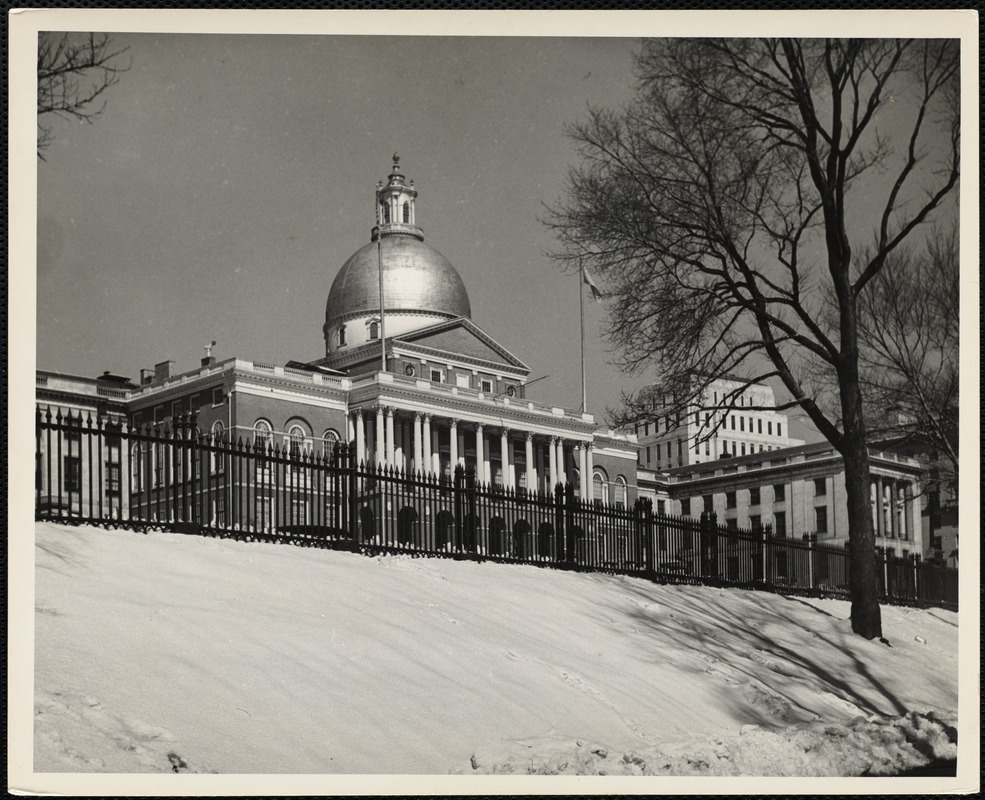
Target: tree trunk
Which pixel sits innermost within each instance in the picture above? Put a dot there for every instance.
(863, 577)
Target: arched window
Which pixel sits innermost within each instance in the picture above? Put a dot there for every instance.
(341, 335)
(261, 434)
(621, 491)
(218, 437)
(598, 487)
(406, 211)
(374, 330)
(296, 437)
(386, 210)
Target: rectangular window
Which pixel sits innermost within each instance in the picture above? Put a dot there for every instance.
(72, 470)
(730, 500)
(646, 428)
(779, 429)
(299, 511)
(821, 519)
(759, 426)
(680, 450)
(769, 428)
(159, 414)
(755, 522)
(661, 506)
(780, 523)
(707, 447)
(176, 409)
(263, 514)
(709, 503)
(743, 448)
(779, 492)
(820, 487)
(732, 524)
(732, 422)
(754, 496)
(487, 386)
(437, 376)
(742, 423)
(220, 509)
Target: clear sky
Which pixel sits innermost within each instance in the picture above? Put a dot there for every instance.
(230, 177)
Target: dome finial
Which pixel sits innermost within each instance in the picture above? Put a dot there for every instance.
(396, 163)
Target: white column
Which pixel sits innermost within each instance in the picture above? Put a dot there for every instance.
(453, 441)
(504, 454)
(426, 465)
(582, 467)
(390, 453)
(562, 476)
(552, 452)
(378, 435)
(350, 428)
(360, 437)
(435, 451)
(125, 474)
(480, 456)
(418, 445)
(531, 471)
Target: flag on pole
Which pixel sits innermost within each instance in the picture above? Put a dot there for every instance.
(587, 280)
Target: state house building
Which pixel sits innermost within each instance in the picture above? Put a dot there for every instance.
(449, 394)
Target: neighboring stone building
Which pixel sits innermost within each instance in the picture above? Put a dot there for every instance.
(798, 491)
(678, 439)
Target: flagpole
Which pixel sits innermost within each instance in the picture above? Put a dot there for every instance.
(379, 264)
(581, 317)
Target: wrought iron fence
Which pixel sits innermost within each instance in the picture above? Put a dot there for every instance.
(177, 478)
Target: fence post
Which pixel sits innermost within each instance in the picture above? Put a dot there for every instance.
(645, 544)
(916, 576)
(811, 553)
(351, 469)
(469, 523)
(569, 521)
(759, 571)
(566, 554)
(457, 487)
(885, 571)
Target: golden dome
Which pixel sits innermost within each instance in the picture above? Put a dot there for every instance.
(417, 279)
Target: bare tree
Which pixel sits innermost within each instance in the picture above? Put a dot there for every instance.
(719, 209)
(909, 352)
(73, 73)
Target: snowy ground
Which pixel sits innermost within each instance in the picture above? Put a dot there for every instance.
(169, 653)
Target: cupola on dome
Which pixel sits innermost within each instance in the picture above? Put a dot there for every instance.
(420, 286)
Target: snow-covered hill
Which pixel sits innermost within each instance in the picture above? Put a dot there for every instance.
(162, 652)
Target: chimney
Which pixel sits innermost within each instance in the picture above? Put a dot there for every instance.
(208, 361)
(163, 371)
(146, 376)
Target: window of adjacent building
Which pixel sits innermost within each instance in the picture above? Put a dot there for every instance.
(759, 426)
(820, 487)
(708, 502)
(487, 385)
(769, 427)
(780, 523)
(743, 448)
(779, 429)
(779, 492)
(217, 396)
(374, 330)
(160, 454)
(707, 447)
(680, 450)
(755, 522)
(176, 409)
(218, 436)
(437, 376)
(732, 524)
(296, 436)
(732, 423)
(754, 496)
(72, 472)
(112, 479)
(730, 500)
(821, 519)
(158, 414)
(742, 423)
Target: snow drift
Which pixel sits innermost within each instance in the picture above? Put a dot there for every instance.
(168, 653)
